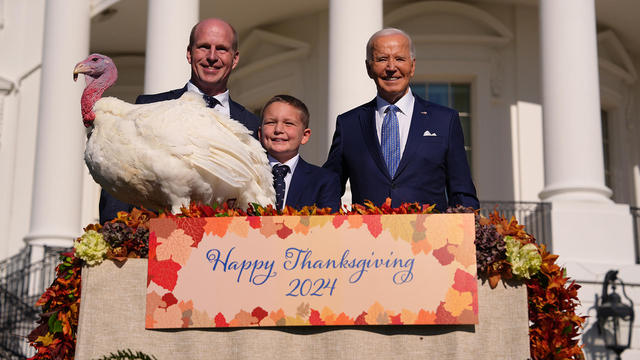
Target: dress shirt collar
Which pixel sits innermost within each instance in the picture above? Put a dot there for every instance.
(404, 104)
(223, 98)
(291, 163)
(404, 114)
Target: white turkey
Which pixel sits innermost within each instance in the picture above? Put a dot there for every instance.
(165, 154)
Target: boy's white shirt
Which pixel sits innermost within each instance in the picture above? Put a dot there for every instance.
(291, 163)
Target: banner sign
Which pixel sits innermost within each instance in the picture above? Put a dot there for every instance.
(312, 270)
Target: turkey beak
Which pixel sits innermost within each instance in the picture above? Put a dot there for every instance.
(80, 69)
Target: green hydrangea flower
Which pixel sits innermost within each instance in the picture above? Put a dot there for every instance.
(525, 260)
(91, 247)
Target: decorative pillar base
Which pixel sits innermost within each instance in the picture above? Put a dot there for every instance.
(50, 240)
(587, 231)
(573, 192)
(39, 241)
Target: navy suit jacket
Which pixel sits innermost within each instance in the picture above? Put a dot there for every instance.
(432, 170)
(109, 205)
(313, 185)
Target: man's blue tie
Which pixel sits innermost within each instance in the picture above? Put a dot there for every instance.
(390, 139)
(211, 101)
(279, 172)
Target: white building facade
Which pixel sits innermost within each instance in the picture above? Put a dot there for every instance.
(547, 90)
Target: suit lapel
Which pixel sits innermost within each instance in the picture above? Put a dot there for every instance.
(234, 109)
(370, 136)
(297, 183)
(179, 92)
(419, 121)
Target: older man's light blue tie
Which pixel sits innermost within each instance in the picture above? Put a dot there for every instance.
(390, 139)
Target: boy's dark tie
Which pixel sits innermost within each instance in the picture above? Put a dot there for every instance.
(279, 172)
(211, 101)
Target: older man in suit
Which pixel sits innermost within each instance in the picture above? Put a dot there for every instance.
(212, 53)
(399, 145)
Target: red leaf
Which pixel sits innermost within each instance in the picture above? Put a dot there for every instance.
(396, 320)
(338, 220)
(194, 227)
(315, 319)
(153, 243)
(221, 321)
(169, 299)
(254, 221)
(373, 224)
(259, 314)
(443, 255)
(207, 210)
(443, 316)
(360, 320)
(284, 231)
(463, 281)
(163, 273)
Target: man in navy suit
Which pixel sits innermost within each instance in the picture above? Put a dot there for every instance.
(285, 126)
(399, 145)
(212, 53)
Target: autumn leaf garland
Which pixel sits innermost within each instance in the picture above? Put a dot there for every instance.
(55, 336)
(554, 325)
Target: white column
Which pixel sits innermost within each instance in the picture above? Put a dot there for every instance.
(169, 23)
(351, 23)
(574, 168)
(57, 186)
(587, 227)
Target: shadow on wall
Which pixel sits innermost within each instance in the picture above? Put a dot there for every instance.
(593, 342)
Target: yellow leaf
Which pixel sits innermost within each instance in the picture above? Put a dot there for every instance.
(239, 226)
(399, 226)
(45, 340)
(319, 221)
(291, 221)
(408, 316)
(456, 301)
(296, 321)
(375, 314)
(440, 232)
(328, 316)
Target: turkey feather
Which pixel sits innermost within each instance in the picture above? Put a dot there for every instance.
(165, 154)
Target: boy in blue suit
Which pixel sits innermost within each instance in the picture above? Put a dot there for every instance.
(285, 126)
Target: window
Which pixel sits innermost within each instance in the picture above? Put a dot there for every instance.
(454, 95)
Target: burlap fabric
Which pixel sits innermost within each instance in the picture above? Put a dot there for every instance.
(112, 315)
